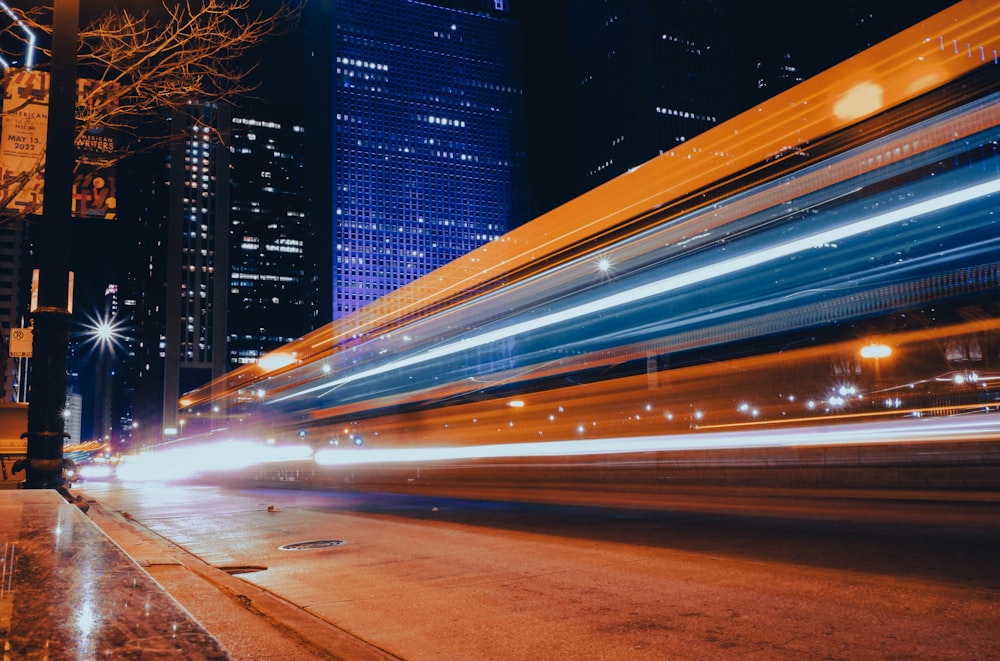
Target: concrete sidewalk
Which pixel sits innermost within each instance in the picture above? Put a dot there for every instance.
(77, 585)
(249, 621)
(68, 592)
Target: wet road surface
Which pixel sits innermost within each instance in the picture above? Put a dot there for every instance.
(793, 577)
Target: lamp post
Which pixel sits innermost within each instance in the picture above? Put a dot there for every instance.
(876, 351)
(44, 461)
(104, 333)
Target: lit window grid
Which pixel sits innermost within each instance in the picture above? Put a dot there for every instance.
(423, 157)
(268, 285)
(198, 240)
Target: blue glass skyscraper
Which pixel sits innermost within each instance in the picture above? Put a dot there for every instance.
(426, 107)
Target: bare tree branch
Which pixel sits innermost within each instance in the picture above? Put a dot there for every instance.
(145, 68)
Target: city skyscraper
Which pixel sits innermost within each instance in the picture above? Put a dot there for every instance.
(427, 154)
(269, 229)
(420, 160)
(646, 76)
(224, 277)
(197, 250)
(615, 83)
(784, 52)
(11, 312)
(184, 281)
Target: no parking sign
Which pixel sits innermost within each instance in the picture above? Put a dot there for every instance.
(20, 342)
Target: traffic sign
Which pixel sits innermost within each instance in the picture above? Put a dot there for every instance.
(20, 342)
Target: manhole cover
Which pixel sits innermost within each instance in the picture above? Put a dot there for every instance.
(241, 569)
(316, 544)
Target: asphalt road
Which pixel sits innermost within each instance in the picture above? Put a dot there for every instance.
(756, 575)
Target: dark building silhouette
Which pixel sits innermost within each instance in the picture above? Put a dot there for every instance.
(614, 83)
(269, 229)
(183, 278)
(646, 76)
(786, 41)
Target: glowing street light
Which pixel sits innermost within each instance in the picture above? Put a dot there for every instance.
(876, 351)
(105, 331)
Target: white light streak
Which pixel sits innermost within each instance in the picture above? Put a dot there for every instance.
(96, 471)
(723, 268)
(178, 463)
(909, 430)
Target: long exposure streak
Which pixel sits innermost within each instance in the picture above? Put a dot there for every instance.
(724, 297)
(690, 278)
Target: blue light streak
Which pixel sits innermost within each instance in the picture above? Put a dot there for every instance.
(723, 268)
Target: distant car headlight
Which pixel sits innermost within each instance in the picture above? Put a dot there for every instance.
(95, 472)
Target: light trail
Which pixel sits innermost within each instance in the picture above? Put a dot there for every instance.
(179, 463)
(719, 269)
(182, 463)
(913, 430)
(750, 265)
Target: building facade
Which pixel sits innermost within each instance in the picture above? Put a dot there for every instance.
(794, 41)
(618, 82)
(13, 381)
(645, 76)
(197, 276)
(427, 156)
(269, 271)
(183, 279)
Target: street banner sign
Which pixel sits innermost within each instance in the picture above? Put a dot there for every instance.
(22, 145)
(22, 141)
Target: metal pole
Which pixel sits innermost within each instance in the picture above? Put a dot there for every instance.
(44, 461)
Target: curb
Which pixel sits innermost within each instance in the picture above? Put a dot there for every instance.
(249, 610)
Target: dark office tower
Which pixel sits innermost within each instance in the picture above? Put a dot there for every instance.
(147, 178)
(647, 75)
(856, 25)
(268, 233)
(198, 251)
(126, 369)
(427, 138)
(776, 72)
(105, 367)
(11, 313)
(793, 41)
(183, 284)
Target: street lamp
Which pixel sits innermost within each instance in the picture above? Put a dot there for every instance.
(876, 351)
(43, 463)
(104, 334)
